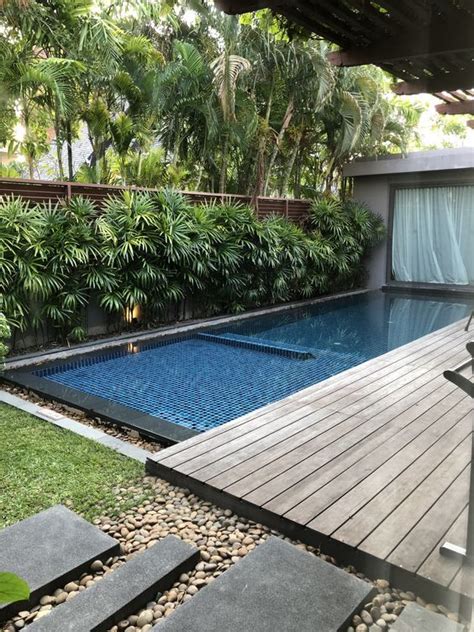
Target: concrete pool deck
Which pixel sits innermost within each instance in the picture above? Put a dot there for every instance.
(371, 465)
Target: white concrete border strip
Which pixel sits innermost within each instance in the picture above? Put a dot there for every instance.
(94, 434)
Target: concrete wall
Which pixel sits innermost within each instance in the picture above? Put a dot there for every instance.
(374, 189)
(414, 163)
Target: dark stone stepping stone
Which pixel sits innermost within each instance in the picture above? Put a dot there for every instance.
(50, 549)
(123, 591)
(276, 587)
(415, 618)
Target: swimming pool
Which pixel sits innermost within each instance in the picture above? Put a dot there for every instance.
(202, 380)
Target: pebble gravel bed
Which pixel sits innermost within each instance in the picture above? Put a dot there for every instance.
(223, 539)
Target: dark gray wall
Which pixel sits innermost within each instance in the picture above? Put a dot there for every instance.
(374, 190)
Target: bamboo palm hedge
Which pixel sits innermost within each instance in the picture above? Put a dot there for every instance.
(157, 250)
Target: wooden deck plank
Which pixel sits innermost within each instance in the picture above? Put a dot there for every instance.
(364, 396)
(418, 544)
(393, 530)
(382, 413)
(253, 458)
(261, 429)
(368, 370)
(316, 493)
(295, 410)
(310, 427)
(368, 503)
(367, 459)
(368, 407)
(443, 569)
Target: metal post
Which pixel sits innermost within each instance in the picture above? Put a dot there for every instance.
(458, 377)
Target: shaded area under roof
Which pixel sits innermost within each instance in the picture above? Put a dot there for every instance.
(429, 44)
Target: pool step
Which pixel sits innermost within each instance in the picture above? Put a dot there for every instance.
(246, 342)
(277, 587)
(414, 618)
(48, 550)
(123, 591)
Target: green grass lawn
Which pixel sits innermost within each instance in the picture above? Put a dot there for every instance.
(41, 465)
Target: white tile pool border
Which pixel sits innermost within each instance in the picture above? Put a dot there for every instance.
(83, 430)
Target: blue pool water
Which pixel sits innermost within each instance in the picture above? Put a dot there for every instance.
(200, 382)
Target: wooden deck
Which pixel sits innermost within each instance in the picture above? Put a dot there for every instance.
(372, 465)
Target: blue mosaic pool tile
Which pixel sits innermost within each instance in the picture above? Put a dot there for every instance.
(257, 344)
(197, 383)
(202, 381)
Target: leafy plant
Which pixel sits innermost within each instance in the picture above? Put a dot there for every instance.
(352, 230)
(149, 252)
(4, 335)
(233, 103)
(13, 588)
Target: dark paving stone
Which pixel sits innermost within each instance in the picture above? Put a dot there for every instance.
(49, 549)
(414, 618)
(276, 588)
(123, 591)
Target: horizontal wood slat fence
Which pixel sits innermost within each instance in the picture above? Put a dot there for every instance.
(53, 191)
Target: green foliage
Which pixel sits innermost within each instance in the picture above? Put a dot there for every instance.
(13, 588)
(151, 251)
(234, 104)
(352, 230)
(4, 335)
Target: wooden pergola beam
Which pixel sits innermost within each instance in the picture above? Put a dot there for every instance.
(320, 16)
(295, 16)
(461, 80)
(459, 107)
(242, 6)
(427, 43)
(439, 38)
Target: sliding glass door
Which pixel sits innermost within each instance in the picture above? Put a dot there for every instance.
(433, 235)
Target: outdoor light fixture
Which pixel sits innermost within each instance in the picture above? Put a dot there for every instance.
(132, 314)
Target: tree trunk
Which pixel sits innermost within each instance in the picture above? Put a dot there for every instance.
(297, 185)
(291, 164)
(284, 126)
(59, 146)
(223, 176)
(260, 161)
(70, 164)
(329, 176)
(29, 157)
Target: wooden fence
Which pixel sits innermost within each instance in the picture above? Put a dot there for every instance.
(53, 191)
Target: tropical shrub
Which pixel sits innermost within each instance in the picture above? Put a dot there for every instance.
(351, 229)
(153, 251)
(4, 335)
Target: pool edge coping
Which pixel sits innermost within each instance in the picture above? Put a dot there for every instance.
(21, 373)
(20, 361)
(152, 427)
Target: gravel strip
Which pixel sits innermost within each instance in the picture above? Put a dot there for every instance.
(222, 537)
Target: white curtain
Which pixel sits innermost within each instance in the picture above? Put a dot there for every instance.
(433, 235)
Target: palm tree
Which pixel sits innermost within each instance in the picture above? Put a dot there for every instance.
(227, 69)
